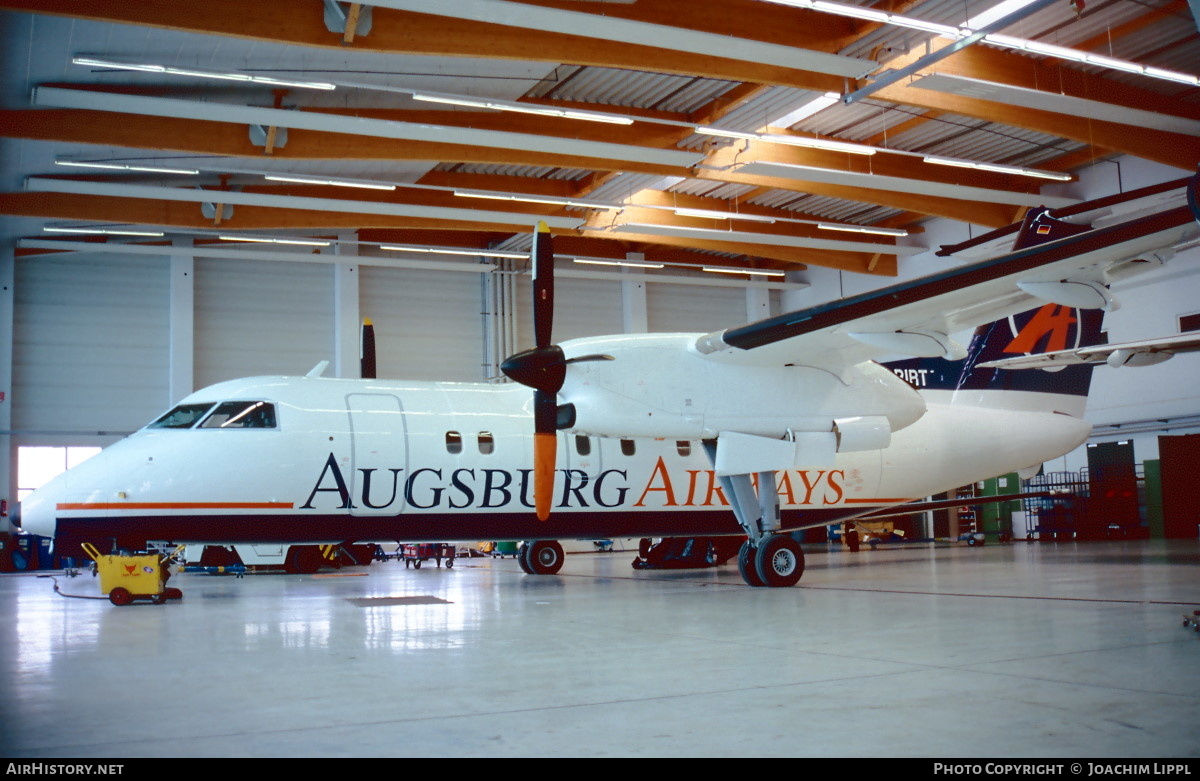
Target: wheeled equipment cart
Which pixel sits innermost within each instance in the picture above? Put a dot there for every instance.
(413, 555)
(128, 577)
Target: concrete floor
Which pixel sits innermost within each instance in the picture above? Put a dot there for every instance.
(1023, 650)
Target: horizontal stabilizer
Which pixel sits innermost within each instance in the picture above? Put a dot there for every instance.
(1143, 353)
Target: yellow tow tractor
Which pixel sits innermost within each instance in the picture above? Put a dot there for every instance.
(127, 577)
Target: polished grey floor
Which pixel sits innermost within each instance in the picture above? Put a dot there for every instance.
(1023, 650)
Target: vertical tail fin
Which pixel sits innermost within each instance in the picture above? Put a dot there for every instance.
(1046, 329)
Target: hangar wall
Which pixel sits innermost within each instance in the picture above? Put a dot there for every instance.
(92, 348)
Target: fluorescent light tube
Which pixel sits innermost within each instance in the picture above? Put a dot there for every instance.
(258, 240)
(857, 12)
(110, 231)
(1001, 169)
(521, 108)
(829, 226)
(716, 131)
(549, 199)
(334, 182)
(944, 30)
(1184, 78)
(472, 252)
(632, 263)
(710, 214)
(819, 143)
(126, 167)
(225, 76)
(750, 271)
(776, 138)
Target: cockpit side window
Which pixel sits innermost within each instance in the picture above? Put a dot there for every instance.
(241, 414)
(183, 416)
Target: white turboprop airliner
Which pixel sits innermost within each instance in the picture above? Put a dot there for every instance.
(784, 424)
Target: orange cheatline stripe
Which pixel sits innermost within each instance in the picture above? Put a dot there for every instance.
(877, 501)
(175, 505)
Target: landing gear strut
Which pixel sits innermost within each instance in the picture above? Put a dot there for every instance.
(769, 557)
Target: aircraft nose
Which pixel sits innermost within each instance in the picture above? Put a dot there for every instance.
(35, 514)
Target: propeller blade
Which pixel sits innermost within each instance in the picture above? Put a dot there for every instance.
(586, 358)
(545, 448)
(543, 285)
(367, 350)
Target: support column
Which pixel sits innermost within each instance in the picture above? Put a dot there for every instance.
(347, 319)
(181, 327)
(8, 443)
(633, 297)
(758, 304)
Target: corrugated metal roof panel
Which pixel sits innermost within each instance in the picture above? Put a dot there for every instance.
(636, 89)
(765, 108)
(529, 171)
(623, 186)
(711, 189)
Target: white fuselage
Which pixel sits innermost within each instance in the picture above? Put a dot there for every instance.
(375, 459)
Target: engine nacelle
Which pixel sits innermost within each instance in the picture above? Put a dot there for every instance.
(659, 386)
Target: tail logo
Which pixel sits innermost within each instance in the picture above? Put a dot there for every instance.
(1053, 323)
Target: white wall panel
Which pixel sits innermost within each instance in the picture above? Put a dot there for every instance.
(89, 344)
(261, 317)
(582, 307)
(687, 308)
(428, 324)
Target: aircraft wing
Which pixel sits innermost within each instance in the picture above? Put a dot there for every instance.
(916, 318)
(1141, 353)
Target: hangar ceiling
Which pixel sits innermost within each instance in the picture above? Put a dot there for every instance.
(768, 134)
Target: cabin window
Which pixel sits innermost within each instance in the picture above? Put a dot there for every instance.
(453, 442)
(183, 416)
(627, 447)
(241, 414)
(683, 448)
(1189, 323)
(583, 445)
(487, 443)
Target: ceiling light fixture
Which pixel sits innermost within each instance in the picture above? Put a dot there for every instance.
(752, 271)
(334, 182)
(471, 252)
(710, 214)
(265, 240)
(521, 108)
(109, 231)
(126, 167)
(1000, 169)
(604, 262)
(547, 199)
(776, 138)
(201, 74)
(831, 226)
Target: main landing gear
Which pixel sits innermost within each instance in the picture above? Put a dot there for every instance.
(769, 557)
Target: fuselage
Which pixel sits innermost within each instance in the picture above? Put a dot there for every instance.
(342, 460)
